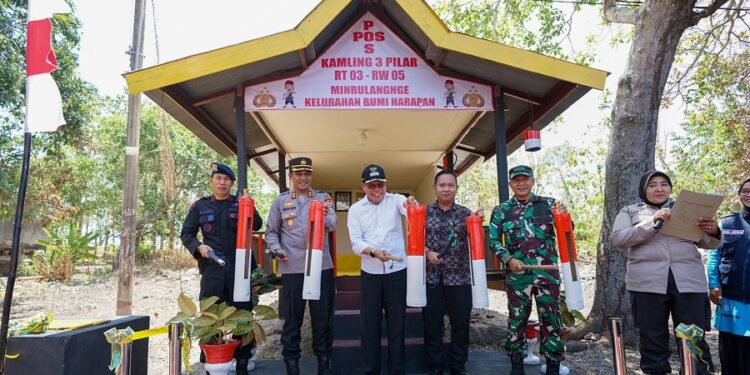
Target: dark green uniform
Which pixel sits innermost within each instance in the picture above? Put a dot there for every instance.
(529, 234)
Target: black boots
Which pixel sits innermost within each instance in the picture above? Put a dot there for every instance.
(553, 367)
(324, 365)
(292, 366)
(241, 368)
(516, 361)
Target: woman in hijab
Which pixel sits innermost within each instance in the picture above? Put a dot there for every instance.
(665, 274)
(729, 280)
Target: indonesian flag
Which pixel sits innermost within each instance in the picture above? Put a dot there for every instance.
(44, 112)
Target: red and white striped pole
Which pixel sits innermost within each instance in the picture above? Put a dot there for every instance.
(566, 244)
(243, 254)
(416, 283)
(479, 296)
(314, 254)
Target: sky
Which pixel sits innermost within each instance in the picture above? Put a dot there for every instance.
(187, 27)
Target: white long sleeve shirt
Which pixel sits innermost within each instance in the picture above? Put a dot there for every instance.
(378, 226)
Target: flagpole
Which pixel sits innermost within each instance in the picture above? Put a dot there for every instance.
(14, 250)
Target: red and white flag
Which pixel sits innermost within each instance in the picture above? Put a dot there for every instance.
(44, 112)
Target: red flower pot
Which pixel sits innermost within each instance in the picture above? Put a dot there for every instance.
(220, 353)
(564, 334)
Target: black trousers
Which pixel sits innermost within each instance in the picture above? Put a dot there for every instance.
(651, 312)
(456, 300)
(292, 310)
(219, 281)
(734, 352)
(378, 293)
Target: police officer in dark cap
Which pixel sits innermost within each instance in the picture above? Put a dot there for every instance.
(216, 218)
(286, 235)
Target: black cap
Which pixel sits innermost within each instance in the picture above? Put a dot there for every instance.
(373, 172)
(300, 164)
(222, 169)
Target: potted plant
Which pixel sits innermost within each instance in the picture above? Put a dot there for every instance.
(215, 324)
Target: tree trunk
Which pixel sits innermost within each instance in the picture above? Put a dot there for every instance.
(658, 28)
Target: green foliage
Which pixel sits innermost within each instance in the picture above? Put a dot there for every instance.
(539, 26)
(712, 153)
(79, 103)
(212, 323)
(263, 283)
(66, 247)
(569, 317)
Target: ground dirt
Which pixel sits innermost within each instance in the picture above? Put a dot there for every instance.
(94, 295)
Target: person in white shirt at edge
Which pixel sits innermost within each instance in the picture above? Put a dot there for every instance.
(376, 234)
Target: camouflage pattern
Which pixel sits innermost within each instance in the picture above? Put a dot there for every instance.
(528, 234)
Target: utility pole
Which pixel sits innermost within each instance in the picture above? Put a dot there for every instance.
(126, 258)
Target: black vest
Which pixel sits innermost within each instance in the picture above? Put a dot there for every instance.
(734, 266)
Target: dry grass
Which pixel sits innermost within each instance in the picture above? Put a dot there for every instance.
(172, 259)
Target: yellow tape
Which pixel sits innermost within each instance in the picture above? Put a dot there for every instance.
(150, 332)
(12, 356)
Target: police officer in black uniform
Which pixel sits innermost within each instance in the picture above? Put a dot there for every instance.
(286, 235)
(216, 217)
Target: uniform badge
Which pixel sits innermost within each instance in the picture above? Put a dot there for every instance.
(207, 227)
(290, 222)
(232, 216)
(289, 204)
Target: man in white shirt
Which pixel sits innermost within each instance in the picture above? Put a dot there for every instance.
(376, 234)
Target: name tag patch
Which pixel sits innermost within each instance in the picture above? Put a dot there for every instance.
(733, 232)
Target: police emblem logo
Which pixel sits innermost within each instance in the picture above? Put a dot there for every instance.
(290, 222)
(303, 162)
(214, 167)
(207, 227)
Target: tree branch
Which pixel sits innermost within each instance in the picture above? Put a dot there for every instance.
(708, 11)
(613, 13)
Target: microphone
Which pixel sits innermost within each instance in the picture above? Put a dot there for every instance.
(660, 222)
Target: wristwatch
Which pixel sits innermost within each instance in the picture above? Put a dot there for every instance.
(372, 252)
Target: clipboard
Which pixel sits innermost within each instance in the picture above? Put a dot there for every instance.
(685, 213)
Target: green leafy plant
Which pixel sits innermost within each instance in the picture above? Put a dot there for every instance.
(216, 323)
(263, 283)
(569, 316)
(65, 248)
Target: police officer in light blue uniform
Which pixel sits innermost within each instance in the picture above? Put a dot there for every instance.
(286, 235)
(216, 218)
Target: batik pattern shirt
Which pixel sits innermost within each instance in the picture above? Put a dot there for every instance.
(445, 233)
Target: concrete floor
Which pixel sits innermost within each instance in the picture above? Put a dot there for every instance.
(495, 363)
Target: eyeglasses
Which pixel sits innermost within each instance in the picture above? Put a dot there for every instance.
(745, 192)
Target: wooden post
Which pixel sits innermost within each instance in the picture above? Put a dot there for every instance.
(130, 188)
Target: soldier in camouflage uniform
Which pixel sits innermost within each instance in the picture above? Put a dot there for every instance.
(526, 223)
